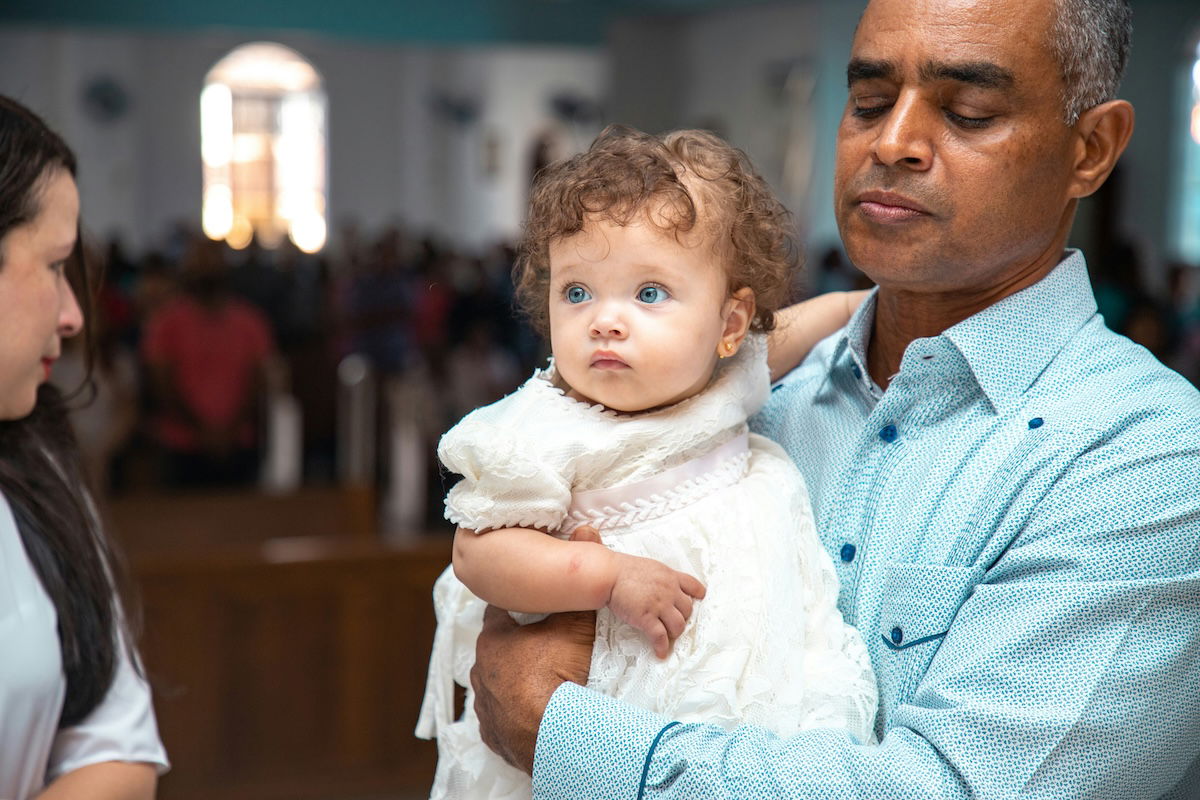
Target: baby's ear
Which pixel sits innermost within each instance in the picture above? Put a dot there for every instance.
(738, 313)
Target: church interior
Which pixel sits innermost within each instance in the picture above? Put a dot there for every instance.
(357, 174)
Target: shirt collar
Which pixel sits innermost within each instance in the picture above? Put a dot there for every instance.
(1010, 343)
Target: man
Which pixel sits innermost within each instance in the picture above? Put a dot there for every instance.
(1010, 491)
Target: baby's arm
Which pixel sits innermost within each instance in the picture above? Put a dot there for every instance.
(522, 569)
(798, 328)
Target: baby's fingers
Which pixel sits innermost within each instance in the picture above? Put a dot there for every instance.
(692, 586)
(659, 640)
(674, 622)
(684, 605)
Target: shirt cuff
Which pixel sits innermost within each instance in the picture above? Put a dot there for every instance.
(592, 746)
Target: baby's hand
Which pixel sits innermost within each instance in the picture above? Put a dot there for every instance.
(653, 598)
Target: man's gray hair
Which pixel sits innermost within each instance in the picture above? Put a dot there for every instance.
(1090, 40)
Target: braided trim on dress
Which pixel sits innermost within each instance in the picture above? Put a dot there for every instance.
(627, 513)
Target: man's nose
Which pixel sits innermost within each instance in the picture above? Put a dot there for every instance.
(905, 135)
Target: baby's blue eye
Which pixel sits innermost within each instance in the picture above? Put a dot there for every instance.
(577, 294)
(652, 294)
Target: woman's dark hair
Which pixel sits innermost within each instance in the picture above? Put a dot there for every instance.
(40, 473)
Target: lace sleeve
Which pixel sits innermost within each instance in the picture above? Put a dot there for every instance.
(507, 480)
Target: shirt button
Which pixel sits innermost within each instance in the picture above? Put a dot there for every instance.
(857, 372)
(897, 635)
(1036, 422)
(848, 551)
(889, 433)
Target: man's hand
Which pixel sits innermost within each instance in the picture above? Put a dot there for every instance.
(654, 598)
(518, 667)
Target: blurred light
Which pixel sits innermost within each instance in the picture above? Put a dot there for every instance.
(266, 65)
(241, 233)
(216, 124)
(1196, 123)
(217, 217)
(249, 147)
(308, 232)
(269, 166)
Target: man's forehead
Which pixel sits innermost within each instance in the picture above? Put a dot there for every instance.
(986, 40)
(958, 21)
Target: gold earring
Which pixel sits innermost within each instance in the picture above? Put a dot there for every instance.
(727, 348)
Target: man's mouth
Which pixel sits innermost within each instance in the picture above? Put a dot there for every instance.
(890, 207)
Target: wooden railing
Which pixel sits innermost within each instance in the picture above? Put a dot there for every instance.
(287, 650)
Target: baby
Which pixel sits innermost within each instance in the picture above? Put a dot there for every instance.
(656, 265)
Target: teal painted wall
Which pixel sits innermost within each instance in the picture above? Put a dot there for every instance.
(425, 21)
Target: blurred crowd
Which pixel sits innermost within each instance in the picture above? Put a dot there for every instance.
(193, 338)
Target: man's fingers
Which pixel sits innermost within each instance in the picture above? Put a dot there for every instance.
(496, 618)
(580, 624)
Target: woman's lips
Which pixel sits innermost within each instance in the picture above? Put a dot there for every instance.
(47, 365)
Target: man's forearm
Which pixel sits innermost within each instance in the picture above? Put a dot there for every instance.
(1075, 700)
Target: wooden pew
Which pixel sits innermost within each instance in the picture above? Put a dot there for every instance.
(287, 663)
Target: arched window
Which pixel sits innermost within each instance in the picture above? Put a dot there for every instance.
(1187, 225)
(262, 136)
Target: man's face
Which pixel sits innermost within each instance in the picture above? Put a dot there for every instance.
(953, 159)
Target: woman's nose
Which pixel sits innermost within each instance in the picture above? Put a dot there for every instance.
(70, 315)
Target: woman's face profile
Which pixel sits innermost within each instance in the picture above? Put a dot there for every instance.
(38, 308)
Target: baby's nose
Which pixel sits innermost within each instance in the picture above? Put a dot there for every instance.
(609, 325)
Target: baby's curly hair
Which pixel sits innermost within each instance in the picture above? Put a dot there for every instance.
(625, 173)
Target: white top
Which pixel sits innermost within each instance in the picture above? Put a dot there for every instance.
(522, 458)
(33, 751)
(685, 485)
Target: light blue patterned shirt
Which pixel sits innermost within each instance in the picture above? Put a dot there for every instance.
(1016, 526)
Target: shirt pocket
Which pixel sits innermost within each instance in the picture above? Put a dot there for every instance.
(919, 604)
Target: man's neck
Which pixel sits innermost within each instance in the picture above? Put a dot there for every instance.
(902, 315)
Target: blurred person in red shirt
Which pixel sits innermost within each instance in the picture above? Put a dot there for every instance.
(206, 355)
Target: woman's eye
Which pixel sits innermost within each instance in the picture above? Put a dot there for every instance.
(577, 294)
(58, 266)
(652, 294)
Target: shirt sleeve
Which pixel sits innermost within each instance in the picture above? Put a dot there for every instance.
(1069, 672)
(121, 728)
(508, 478)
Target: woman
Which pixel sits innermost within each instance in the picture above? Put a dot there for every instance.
(75, 713)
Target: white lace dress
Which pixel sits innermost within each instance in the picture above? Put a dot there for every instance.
(688, 486)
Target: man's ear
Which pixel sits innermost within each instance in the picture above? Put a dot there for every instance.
(738, 312)
(1103, 132)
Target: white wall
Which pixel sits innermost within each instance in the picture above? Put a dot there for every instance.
(391, 158)
(712, 67)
